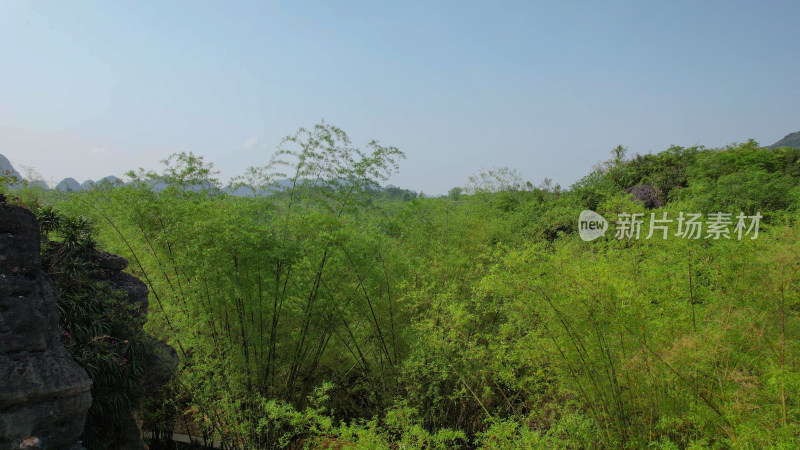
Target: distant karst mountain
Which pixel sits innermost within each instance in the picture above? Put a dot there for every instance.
(69, 185)
(109, 180)
(39, 184)
(6, 168)
(66, 185)
(72, 185)
(790, 140)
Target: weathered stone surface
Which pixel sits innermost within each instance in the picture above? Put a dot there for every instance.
(136, 289)
(646, 194)
(44, 394)
(19, 241)
(110, 261)
(159, 366)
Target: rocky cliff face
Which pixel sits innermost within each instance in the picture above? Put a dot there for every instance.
(160, 365)
(44, 394)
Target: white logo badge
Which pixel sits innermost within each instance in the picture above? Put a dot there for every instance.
(591, 225)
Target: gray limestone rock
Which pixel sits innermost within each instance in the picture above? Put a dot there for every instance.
(44, 393)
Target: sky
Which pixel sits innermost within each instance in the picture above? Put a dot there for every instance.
(89, 89)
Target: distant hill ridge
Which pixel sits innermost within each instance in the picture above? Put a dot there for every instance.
(72, 185)
(790, 140)
(5, 166)
(68, 184)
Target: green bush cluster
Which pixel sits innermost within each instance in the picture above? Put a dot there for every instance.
(102, 332)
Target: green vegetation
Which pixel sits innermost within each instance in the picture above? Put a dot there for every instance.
(102, 332)
(790, 140)
(321, 313)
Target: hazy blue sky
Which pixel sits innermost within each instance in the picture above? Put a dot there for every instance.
(89, 89)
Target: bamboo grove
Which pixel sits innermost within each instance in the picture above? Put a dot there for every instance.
(319, 311)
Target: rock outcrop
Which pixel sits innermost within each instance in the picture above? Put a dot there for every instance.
(44, 393)
(161, 364)
(164, 360)
(646, 194)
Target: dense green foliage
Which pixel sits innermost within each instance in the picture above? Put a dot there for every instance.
(100, 330)
(325, 314)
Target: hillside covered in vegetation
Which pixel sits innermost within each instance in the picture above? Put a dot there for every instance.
(790, 140)
(326, 313)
